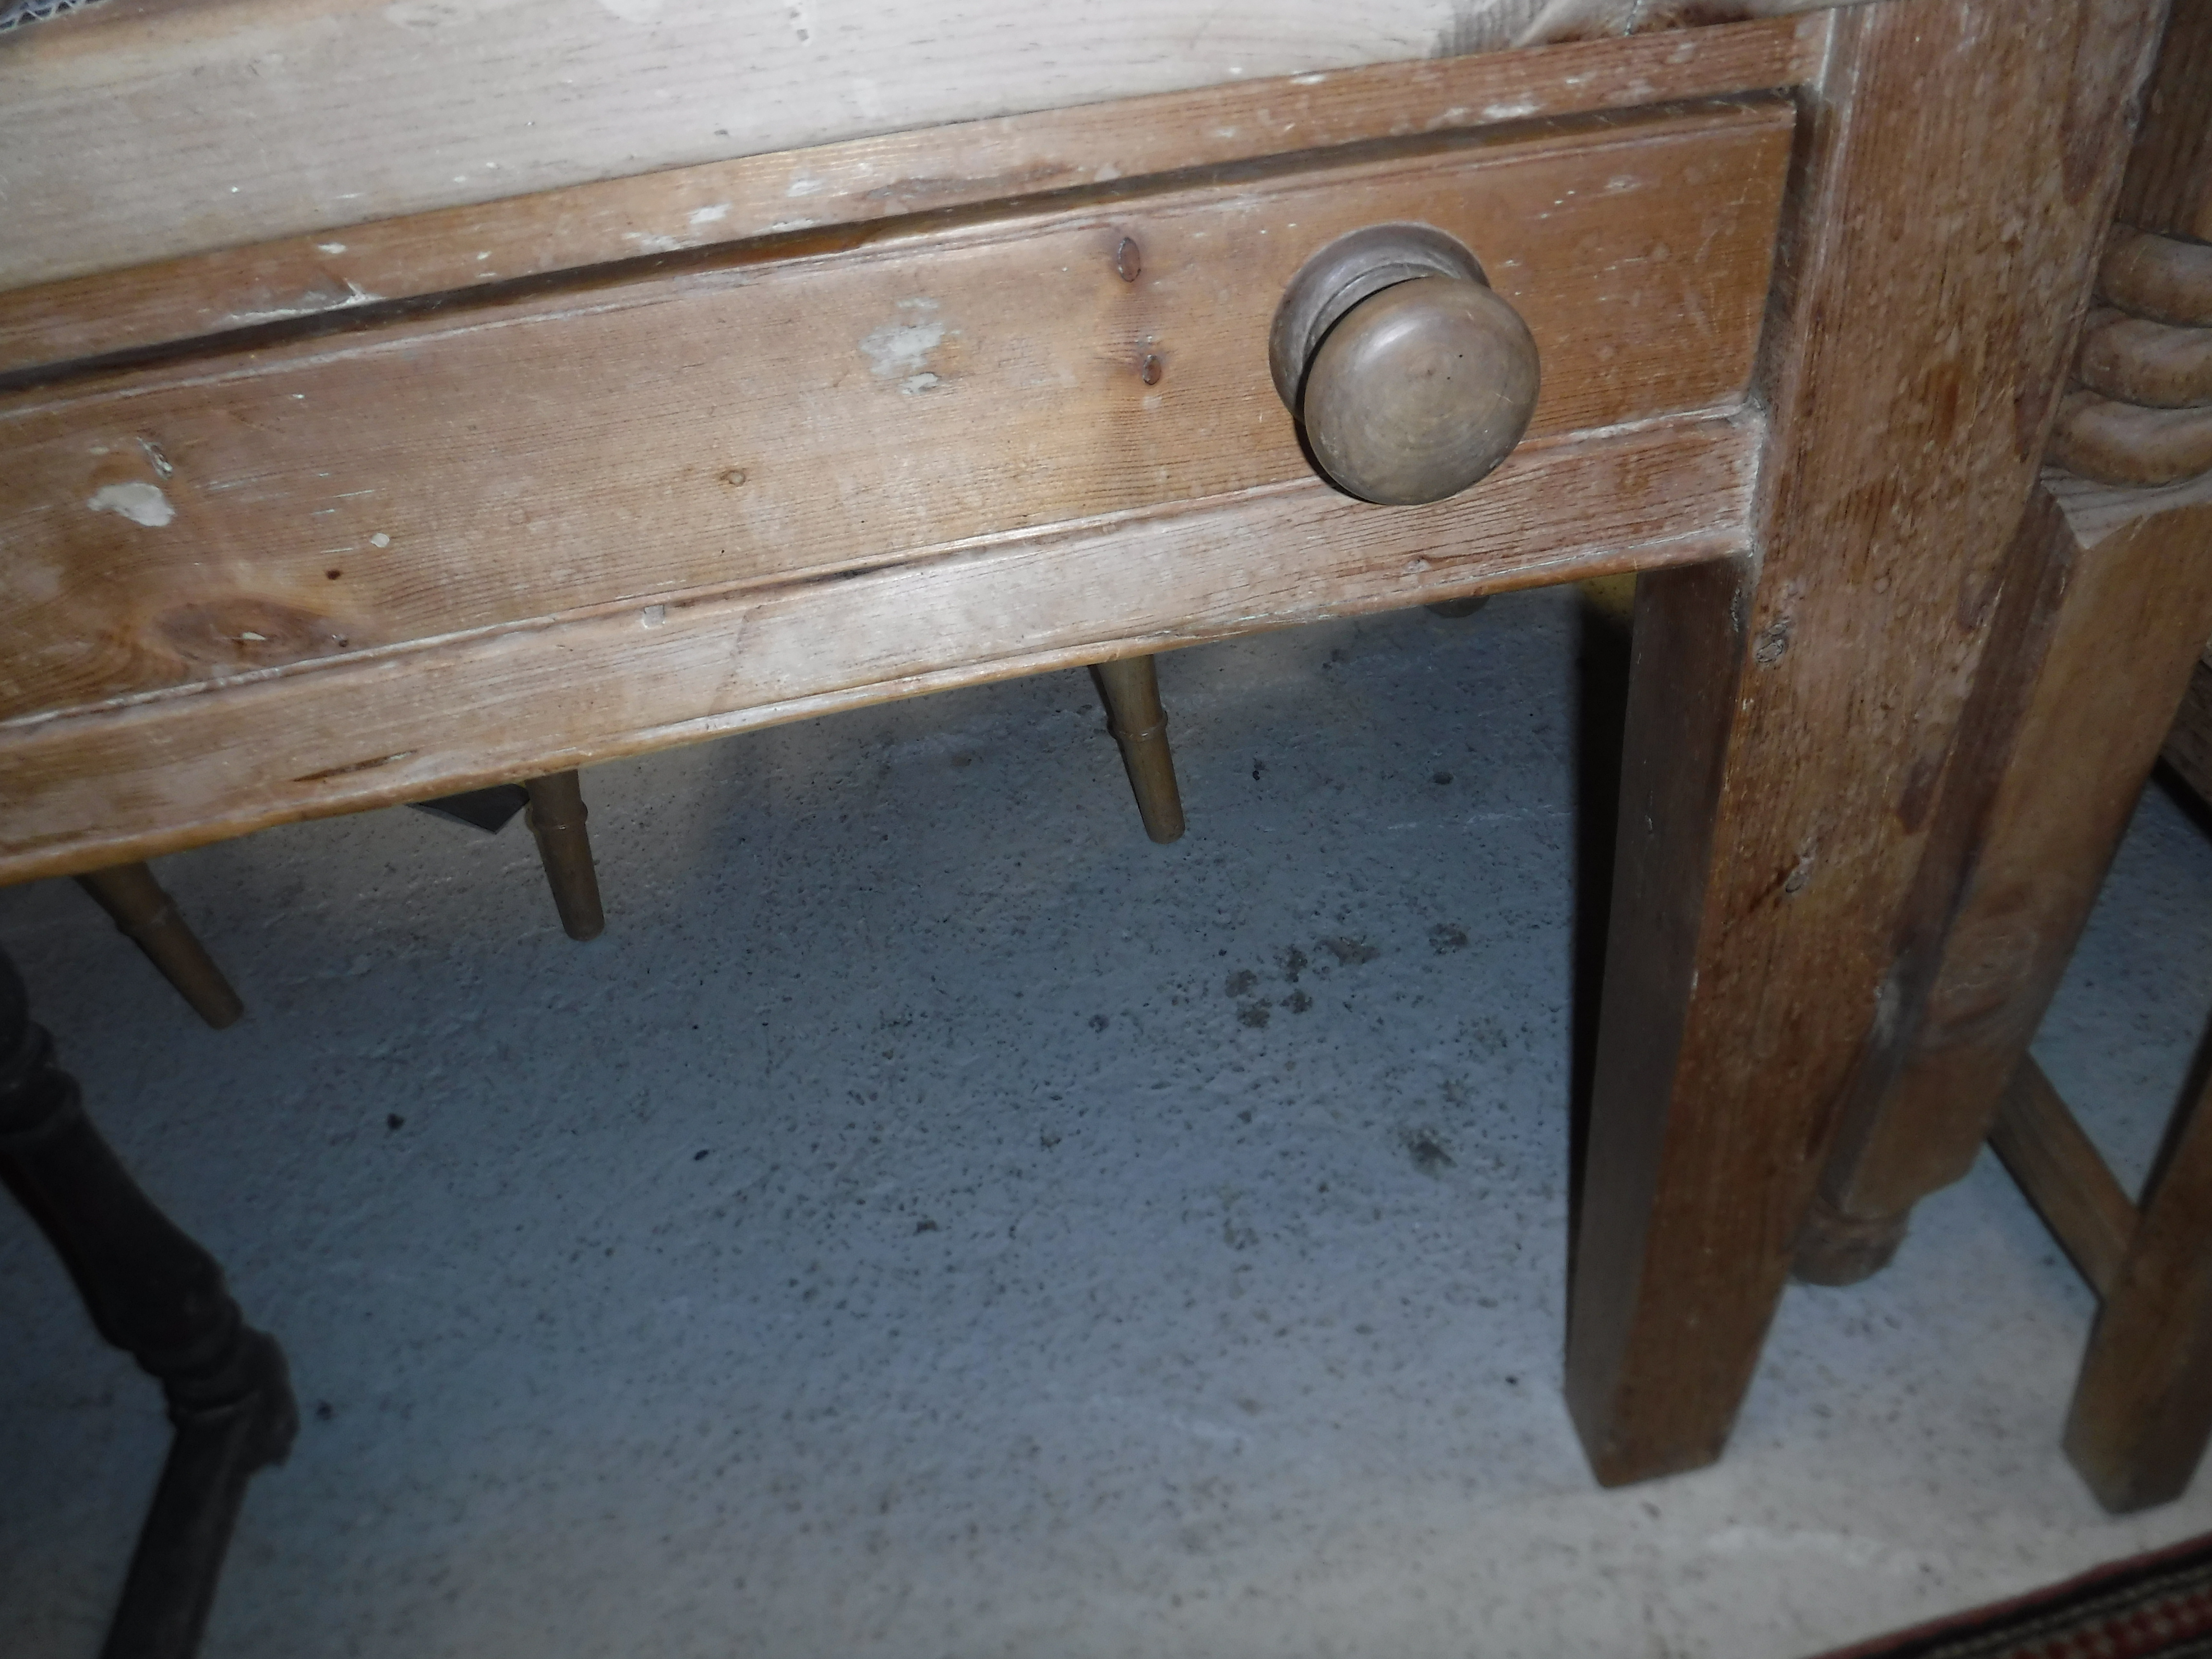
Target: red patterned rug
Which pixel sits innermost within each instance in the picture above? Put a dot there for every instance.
(2151, 1606)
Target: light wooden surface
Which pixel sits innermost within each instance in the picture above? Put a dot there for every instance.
(229, 122)
(1963, 165)
(2081, 701)
(2142, 361)
(2158, 276)
(188, 525)
(851, 185)
(175, 770)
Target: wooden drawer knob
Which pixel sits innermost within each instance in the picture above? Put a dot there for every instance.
(1409, 376)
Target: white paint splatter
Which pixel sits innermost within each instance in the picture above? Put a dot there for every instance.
(330, 247)
(900, 350)
(708, 215)
(379, 539)
(655, 244)
(1510, 112)
(653, 615)
(807, 187)
(141, 503)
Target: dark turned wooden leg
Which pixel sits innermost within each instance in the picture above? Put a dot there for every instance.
(556, 816)
(149, 918)
(1140, 725)
(153, 1291)
(1791, 719)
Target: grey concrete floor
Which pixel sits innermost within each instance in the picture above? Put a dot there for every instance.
(934, 1221)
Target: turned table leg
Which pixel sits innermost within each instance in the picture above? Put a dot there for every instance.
(149, 918)
(1791, 716)
(153, 1291)
(1140, 725)
(555, 816)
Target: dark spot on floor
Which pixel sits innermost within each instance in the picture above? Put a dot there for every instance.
(925, 1226)
(1444, 938)
(325, 1411)
(701, 1153)
(1349, 951)
(1099, 1022)
(1294, 962)
(1427, 1151)
(1298, 1002)
(1440, 777)
(1239, 983)
(1255, 1014)
(1258, 766)
(1046, 1139)
(392, 1121)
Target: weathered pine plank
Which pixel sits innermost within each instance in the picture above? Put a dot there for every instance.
(199, 128)
(700, 428)
(80, 791)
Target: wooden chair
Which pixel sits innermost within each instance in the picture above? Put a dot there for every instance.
(2096, 646)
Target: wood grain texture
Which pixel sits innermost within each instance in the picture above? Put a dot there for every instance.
(189, 524)
(2168, 187)
(2188, 747)
(1964, 159)
(2107, 441)
(209, 126)
(2141, 361)
(849, 185)
(2064, 1176)
(2158, 276)
(2142, 1411)
(97, 787)
(2083, 698)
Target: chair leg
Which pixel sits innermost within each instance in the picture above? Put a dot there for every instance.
(2060, 734)
(1140, 725)
(2142, 1409)
(155, 1293)
(149, 918)
(556, 816)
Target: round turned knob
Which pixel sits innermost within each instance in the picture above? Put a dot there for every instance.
(1409, 376)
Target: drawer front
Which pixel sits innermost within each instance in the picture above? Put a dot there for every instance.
(711, 431)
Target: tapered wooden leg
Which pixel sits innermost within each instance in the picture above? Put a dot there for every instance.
(155, 1292)
(2064, 726)
(149, 918)
(2142, 1409)
(1140, 725)
(556, 816)
(1791, 718)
